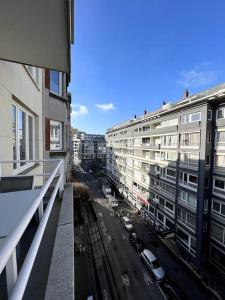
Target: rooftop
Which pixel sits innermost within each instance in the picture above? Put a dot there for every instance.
(210, 94)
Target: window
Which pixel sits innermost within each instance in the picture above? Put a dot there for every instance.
(186, 218)
(195, 117)
(221, 113)
(188, 198)
(56, 82)
(220, 160)
(209, 114)
(33, 71)
(171, 173)
(169, 207)
(217, 232)
(14, 130)
(188, 179)
(220, 184)
(188, 241)
(208, 137)
(207, 160)
(55, 135)
(193, 179)
(189, 158)
(22, 136)
(191, 118)
(190, 139)
(160, 217)
(220, 137)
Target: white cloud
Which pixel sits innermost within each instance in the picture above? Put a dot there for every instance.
(78, 110)
(105, 106)
(197, 76)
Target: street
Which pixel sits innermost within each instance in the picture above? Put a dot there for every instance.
(131, 278)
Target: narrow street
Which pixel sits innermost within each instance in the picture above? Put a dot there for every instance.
(129, 276)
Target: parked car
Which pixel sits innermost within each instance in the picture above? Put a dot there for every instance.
(174, 292)
(136, 242)
(127, 223)
(153, 264)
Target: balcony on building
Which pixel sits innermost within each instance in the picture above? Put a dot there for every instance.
(36, 220)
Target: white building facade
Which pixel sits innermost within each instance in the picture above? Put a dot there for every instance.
(21, 126)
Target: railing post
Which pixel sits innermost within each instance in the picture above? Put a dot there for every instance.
(61, 186)
(11, 272)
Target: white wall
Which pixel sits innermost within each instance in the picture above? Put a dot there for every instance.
(17, 86)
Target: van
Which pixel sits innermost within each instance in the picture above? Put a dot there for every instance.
(153, 264)
(127, 223)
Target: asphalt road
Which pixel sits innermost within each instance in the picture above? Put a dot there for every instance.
(132, 279)
(125, 260)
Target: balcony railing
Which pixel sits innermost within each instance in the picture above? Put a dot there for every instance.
(190, 144)
(150, 145)
(188, 184)
(17, 282)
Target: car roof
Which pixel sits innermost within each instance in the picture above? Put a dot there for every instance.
(149, 255)
(126, 219)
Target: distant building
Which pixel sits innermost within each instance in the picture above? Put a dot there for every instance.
(88, 147)
(172, 163)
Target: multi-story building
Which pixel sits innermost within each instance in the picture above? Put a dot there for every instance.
(56, 107)
(88, 148)
(172, 162)
(36, 206)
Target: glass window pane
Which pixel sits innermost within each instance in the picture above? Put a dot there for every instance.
(22, 136)
(219, 184)
(55, 135)
(31, 138)
(193, 179)
(222, 209)
(14, 134)
(216, 206)
(54, 82)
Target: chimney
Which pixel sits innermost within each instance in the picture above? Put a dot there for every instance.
(145, 112)
(186, 93)
(135, 116)
(164, 102)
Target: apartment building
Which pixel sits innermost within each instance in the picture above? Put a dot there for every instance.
(56, 109)
(172, 163)
(21, 123)
(88, 148)
(36, 213)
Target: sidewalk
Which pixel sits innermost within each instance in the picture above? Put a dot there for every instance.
(209, 279)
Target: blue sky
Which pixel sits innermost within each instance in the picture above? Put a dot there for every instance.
(131, 55)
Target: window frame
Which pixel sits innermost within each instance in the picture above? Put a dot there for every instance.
(18, 167)
(185, 119)
(60, 84)
(60, 137)
(223, 112)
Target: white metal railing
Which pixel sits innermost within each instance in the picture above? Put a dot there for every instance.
(16, 283)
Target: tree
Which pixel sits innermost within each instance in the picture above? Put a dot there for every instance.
(81, 190)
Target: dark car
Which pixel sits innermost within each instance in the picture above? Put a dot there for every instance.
(136, 242)
(174, 292)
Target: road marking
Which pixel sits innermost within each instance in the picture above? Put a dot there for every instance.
(147, 279)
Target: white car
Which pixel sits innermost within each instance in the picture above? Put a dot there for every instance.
(153, 264)
(127, 223)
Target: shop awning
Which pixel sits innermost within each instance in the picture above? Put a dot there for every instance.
(37, 32)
